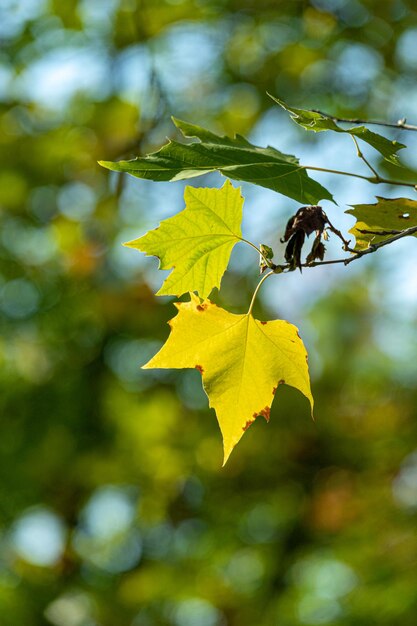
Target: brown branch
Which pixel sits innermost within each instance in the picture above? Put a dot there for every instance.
(401, 124)
(356, 255)
(279, 269)
(378, 232)
(337, 232)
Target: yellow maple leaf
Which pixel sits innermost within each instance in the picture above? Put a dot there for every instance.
(197, 242)
(242, 361)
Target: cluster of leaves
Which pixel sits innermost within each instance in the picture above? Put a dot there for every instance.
(243, 360)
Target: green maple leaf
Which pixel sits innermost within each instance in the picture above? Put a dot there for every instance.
(236, 158)
(312, 120)
(242, 362)
(388, 214)
(197, 242)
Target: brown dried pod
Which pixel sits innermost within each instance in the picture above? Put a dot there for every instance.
(307, 220)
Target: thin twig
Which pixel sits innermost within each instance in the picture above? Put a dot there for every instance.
(337, 232)
(361, 156)
(340, 172)
(360, 253)
(268, 262)
(387, 181)
(371, 179)
(378, 232)
(375, 246)
(401, 124)
(279, 269)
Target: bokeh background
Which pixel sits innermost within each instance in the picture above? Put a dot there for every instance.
(114, 509)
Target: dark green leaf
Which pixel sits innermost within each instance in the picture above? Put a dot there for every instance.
(311, 120)
(236, 158)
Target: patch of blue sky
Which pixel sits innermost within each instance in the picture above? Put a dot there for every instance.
(14, 15)
(187, 54)
(50, 35)
(406, 50)
(404, 105)
(98, 15)
(107, 535)
(357, 66)
(6, 81)
(38, 536)
(134, 73)
(54, 79)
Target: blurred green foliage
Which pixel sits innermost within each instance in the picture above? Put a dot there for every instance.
(114, 510)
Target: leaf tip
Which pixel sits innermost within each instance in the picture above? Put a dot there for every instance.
(132, 244)
(226, 454)
(311, 400)
(274, 98)
(194, 298)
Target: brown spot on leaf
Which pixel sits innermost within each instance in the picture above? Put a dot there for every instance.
(201, 307)
(264, 323)
(248, 423)
(280, 382)
(199, 368)
(265, 413)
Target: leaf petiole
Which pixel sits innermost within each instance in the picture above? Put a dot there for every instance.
(258, 286)
(268, 262)
(364, 159)
(371, 179)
